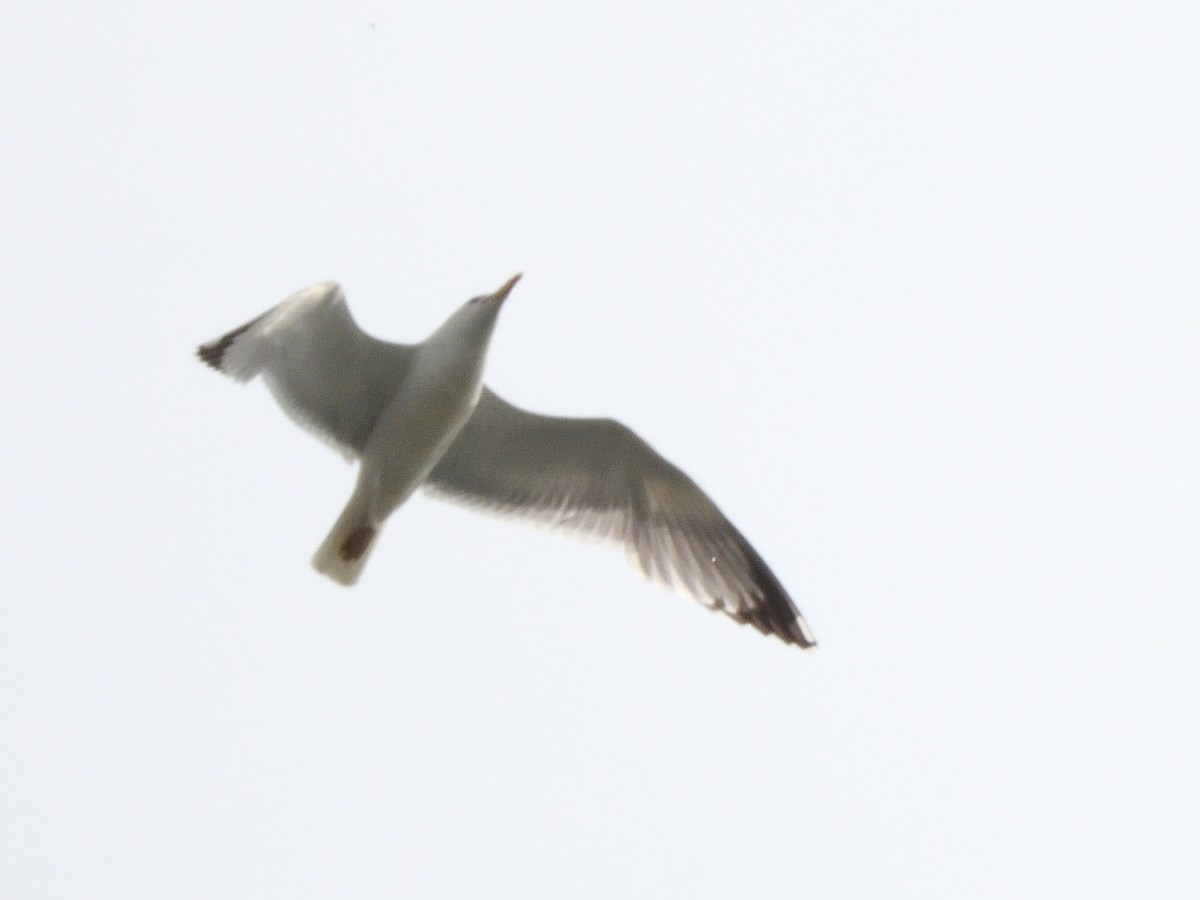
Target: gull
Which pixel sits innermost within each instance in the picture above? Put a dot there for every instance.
(419, 416)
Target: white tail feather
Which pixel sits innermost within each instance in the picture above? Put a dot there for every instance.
(344, 552)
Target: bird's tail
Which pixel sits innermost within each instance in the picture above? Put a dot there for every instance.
(350, 541)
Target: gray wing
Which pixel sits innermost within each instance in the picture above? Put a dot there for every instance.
(329, 375)
(596, 477)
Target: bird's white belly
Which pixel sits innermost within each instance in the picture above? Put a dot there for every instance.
(411, 435)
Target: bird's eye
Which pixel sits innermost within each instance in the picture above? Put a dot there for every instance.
(475, 300)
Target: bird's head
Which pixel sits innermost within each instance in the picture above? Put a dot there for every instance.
(474, 320)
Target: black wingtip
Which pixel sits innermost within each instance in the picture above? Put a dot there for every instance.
(774, 613)
(213, 352)
(789, 628)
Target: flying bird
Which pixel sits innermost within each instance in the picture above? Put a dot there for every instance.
(419, 416)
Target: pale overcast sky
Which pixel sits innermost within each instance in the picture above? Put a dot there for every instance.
(910, 289)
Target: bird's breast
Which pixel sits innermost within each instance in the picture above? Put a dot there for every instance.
(419, 423)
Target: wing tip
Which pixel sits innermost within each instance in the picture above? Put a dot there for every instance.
(213, 353)
(791, 628)
(795, 631)
(773, 611)
(802, 634)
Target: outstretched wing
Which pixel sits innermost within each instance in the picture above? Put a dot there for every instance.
(329, 375)
(596, 477)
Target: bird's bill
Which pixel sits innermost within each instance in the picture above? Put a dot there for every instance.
(506, 287)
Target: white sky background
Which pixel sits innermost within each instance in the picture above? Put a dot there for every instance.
(910, 289)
